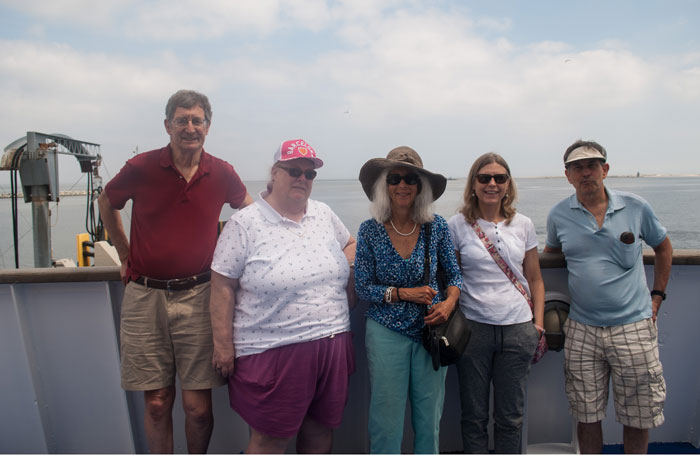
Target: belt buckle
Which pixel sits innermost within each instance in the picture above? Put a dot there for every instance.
(180, 282)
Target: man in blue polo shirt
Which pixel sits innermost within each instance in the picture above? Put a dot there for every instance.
(611, 329)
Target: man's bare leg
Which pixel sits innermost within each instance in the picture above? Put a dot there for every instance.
(636, 440)
(199, 419)
(590, 438)
(158, 419)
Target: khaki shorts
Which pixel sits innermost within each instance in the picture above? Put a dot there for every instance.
(630, 354)
(163, 333)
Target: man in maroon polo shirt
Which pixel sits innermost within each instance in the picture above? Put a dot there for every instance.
(177, 193)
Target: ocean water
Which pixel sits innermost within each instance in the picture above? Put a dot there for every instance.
(674, 200)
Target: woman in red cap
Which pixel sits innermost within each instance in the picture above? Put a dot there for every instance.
(279, 310)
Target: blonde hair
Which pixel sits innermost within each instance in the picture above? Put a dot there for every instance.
(380, 207)
(470, 207)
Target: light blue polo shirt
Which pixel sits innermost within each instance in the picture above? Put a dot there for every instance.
(606, 276)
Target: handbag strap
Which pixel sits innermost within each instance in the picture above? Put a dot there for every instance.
(501, 263)
(426, 259)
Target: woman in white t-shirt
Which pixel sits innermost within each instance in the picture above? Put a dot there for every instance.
(279, 309)
(504, 335)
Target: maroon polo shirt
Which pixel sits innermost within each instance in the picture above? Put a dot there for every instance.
(173, 222)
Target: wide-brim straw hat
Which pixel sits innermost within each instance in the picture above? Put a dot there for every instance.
(402, 157)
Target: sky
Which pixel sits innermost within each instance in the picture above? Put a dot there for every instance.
(356, 78)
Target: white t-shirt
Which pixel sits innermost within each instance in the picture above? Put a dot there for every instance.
(487, 295)
(292, 276)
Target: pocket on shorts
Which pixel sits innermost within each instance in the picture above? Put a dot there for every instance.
(647, 332)
(657, 379)
(646, 399)
(349, 352)
(658, 392)
(650, 387)
(653, 329)
(257, 371)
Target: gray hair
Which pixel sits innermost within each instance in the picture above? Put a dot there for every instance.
(380, 207)
(268, 186)
(187, 99)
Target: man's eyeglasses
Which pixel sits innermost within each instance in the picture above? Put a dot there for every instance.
(296, 172)
(486, 178)
(411, 179)
(183, 121)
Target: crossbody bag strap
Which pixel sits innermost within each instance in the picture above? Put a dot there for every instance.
(501, 263)
(426, 262)
(426, 259)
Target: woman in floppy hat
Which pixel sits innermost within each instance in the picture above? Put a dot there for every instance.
(389, 274)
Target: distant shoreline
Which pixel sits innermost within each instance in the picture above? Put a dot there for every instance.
(624, 176)
(80, 193)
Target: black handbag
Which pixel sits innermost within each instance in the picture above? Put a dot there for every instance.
(445, 342)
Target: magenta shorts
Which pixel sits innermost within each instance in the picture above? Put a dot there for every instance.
(275, 390)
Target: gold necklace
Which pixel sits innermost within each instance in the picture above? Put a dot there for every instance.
(403, 234)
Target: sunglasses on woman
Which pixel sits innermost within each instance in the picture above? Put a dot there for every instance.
(486, 178)
(296, 172)
(411, 179)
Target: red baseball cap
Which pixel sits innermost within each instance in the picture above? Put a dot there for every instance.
(293, 149)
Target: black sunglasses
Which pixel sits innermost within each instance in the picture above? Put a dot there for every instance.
(296, 172)
(411, 179)
(486, 178)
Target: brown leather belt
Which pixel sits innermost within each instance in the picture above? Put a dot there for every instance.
(176, 284)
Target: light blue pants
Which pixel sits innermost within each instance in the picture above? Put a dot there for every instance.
(401, 368)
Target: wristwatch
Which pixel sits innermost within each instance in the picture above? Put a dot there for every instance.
(659, 293)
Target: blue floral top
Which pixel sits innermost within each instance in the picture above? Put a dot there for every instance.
(378, 266)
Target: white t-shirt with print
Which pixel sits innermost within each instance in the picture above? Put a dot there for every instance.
(487, 295)
(292, 276)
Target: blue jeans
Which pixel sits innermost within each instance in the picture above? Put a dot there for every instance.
(501, 354)
(401, 368)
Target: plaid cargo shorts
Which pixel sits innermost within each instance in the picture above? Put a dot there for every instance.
(629, 353)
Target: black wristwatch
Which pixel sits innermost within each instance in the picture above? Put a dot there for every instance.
(659, 293)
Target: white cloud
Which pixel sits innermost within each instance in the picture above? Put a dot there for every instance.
(52, 69)
(434, 64)
(177, 21)
(95, 97)
(312, 15)
(686, 84)
(400, 69)
(186, 20)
